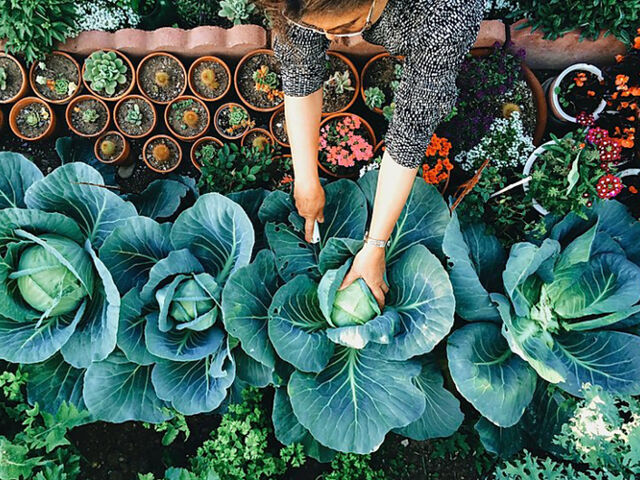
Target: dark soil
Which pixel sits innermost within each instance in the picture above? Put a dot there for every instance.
(175, 84)
(247, 86)
(58, 68)
(280, 127)
(120, 88)
(182, 108)
(37, 129)
(117, 141)
(39, 152)
(221, 79)
(257, 135)
(84, 127)
(223, 125)
(174, 156)
(580, 99)
(630, 195)
(147, 111)
(380, 74)
(332, 101)
(14, 78)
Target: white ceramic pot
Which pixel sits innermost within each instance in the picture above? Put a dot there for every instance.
(527, 171)
(555, 101)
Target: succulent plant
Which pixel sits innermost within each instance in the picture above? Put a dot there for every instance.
(237, 115)
(134, 115)
(265, 79)
(340, 82)
(3, 79)
(105, 71)
(107, 148)
(61, 86)
(236, 11)
(374, 97)
(33, 119)
(162, 79)
(90, 115)
(161, 153)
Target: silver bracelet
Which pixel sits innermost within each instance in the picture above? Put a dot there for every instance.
(375, 243)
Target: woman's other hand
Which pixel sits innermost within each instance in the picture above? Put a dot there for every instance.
(310, 199)
(369, 265)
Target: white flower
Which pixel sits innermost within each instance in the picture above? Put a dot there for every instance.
(105, 15)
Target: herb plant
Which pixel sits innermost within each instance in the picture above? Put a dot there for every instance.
(195, 13)
(105, 71)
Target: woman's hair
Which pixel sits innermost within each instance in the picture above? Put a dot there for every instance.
(296, 9)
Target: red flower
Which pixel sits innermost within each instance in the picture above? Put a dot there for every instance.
(596, 135)
(610, 150)
(609, 186)
(585, 119)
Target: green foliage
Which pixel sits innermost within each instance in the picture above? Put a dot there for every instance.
(462, 444)
(557, 17)
(105, 71)
(134, 115)
(31, 27)
(195, 13)
(374, 97)
(237, 11)
(171, 428)
(61, 86)
(237, 115)
(388, 111)
(3, 79)
(265, 79)
(348, 466)
(340, 82)
(90, 115)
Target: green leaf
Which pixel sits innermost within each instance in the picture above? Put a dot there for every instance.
(504, 442)
(17, 174)
(160, 199)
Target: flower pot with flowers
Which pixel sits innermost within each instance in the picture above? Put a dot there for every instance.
(578, 89)
(32, 119)
(258, 81)
(346, 145)
(56, 78)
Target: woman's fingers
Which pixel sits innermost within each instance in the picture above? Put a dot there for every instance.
(379, 295)
(349, 279)
(308, 229)
(384, 287)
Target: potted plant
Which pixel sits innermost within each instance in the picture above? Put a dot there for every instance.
(257, 81)
(278, 127)
(13, 79)
(162, 154)
(209, 78)
(346, 145)
(56, 78)
(257, 138)
(108, 74)
(113, 149)
(161, 77)
(232, 121)
(578, 89)
(379, 81)
(32, 119)
(204, 149)
(135, 116)
(340, 90)
(87, 116)
(187, 118)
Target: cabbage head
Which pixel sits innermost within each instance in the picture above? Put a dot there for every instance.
(354, 305)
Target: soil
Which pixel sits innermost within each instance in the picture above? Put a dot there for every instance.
(57, 67)
(380, 74)
(174, 156)
(247, 86)
(252, 136)
(119, 143)
(223, 124)
(148, 113)
(221, 77)
(33, 131)
(332, 101)
(120, 88)
(280, 128)
(39, 152)
(171, 67)
(340, 170)
(176, 115)
(630, 195)
(578, 97)
(89, 128)
(14, 78)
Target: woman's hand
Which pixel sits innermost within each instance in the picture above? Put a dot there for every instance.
(369, 265)
(309, 198)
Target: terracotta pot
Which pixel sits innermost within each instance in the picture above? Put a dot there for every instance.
(554, 101)
(129, 88)
(272, 128)
(1, 120)
(564, 51)
(191, 82)
(23, 89)
(242, 61)
(19, 106)
(148, 163)
(527, 171)
(356, 82)
(160, 54)
(144, 99)
(243, 140)
(222, 132)
(34, 86)
(197, 144)
(122, 159)
(539, 99)
(380, 148)
(176, 134)
(365, 125)
(366, 67)
(73, 103)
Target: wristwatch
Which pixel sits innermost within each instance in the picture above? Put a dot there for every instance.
(374, 242)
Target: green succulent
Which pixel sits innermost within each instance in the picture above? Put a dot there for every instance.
(340, 81)
(236, 11)
(61, 86)
(237, 115)
(134, 115)
(374, 97)
(33, 119)
(89, 115)
(3, 79)
(105, 71)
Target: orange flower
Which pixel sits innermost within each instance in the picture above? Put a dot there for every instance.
(591, 93)
(619, 58)
(580, 78)
(633, 189)
(636, 43)
(621, 82)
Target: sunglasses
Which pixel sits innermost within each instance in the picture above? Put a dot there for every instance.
(334, 33)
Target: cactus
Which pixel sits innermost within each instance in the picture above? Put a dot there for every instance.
(208, 78)
(107, 148)
(161, 153)
(162, 79)
(190, 118)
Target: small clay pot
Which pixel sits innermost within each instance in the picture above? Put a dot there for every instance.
(220, 130)
(24, 83)
(244, 60)
(261, 131)
(147, 102)
(73, 105)
(380, 149)
(1, 120)
(35, 86)
(187, 138)
(166, 140)
(363, 75)
(154, 98)
(125, 92)
(355, 84)
(23, 103)
(192, 82)
(123, 158)
(197, 144)
(272, 126)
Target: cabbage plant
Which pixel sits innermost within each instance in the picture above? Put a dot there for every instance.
(564, 311)
(172, 348)
(347, 373)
